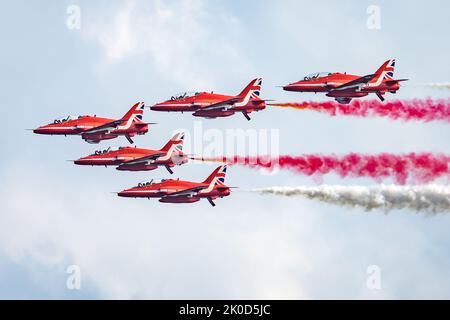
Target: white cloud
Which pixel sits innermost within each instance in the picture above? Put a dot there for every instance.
(181, 39)
(245, 247)
(143, 249)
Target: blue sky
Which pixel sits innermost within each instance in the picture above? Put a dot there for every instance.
(55, 214)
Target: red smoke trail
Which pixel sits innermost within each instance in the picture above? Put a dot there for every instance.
(413, 167)
(417, 109)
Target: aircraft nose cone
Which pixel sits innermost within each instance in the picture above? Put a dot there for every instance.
(123, 193)
(288, 87)
(157, 107)
(79, 161)
(38, 130)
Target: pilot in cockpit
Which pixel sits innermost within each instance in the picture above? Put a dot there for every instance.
(317, 75)
(61, 120)
(145, 184)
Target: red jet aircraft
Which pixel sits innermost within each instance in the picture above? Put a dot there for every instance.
(138, 159)
(212, 105)
(343, 87)
(93, 129)
(178, 191)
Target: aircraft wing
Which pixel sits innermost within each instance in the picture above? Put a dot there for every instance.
(354, 84)
(186, 192)
(143, 159)
(221, 104)
(105, 127)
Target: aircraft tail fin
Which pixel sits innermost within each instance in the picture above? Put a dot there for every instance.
(385, 72)
(136, 112)
(217, 177)
(252, 90)
(175, 144)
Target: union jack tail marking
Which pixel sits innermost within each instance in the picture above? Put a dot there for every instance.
(136, 112)
(252, 90)
(217, 178)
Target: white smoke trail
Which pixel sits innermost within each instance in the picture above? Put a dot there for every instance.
(430, 199)
(439, 85)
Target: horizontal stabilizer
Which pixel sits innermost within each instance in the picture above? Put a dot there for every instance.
(225, 187)
(396, 80)
(141, 124)
(259, 101)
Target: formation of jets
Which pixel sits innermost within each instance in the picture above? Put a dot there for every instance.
(341, 86)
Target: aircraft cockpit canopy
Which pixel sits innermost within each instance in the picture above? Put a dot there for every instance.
(62, 120)
(98, 152)
(145, 184)
(184, 95)
(317, 75)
